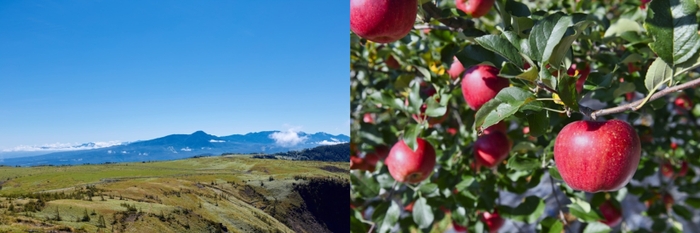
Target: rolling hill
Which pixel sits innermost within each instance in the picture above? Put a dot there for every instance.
(232, 193)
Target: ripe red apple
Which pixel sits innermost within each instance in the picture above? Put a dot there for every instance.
(493, 221)
(474, 8)
(644, 4)
(392, 63)
(611, 214)
(674, 145)
(456, 69)
(382, 21)
(683, 102)
(596, 156)
(491, 149)
(667, 169)
(408, 166)
(368, 118)
(452, 131)
(481, 84)
(498, 127)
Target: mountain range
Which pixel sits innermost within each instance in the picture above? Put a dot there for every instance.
(177, 146)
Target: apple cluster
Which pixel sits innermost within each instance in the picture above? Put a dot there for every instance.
(590, 155)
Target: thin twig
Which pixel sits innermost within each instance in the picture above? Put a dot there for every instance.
(561, 213)
(635, 105)
(544, 86)
(460, 24)
(435, 27)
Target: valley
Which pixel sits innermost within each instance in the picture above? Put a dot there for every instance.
(228, 193)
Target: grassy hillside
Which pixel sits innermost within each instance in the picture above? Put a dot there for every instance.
(232, 193)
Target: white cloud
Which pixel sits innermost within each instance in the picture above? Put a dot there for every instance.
(65, 146)
(186, 149)
(216, 140)
(290, 137)
(326, 142)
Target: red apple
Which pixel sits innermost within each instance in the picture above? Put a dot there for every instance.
(596, 156)
(456, 69)
(452, 131)
(491, 149)
(611, 214)
(357, 163)
(526, 130)
(683, 102)
(408, 166)
(392, 63)
(667, 169)
(498, 127)
(481, 84)
(368, 118)
(644, 4)
(674, 145)
(474, 8)
(493, 221)
(382, 21)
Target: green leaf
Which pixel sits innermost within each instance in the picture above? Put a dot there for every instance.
(428, 188)
(693, 202)
(567, 91)
(524, 147)
(506, 103)
(518, 9)
(621, 26)
(683, 212)
(411, 134)
(546, 34)
(387, 100)
(502, 47)
(460, 216)
(522, 163)
(403, 81)
(674, 27)
(658, 73)
(564, 46)
(392, 215)
(422, 213)
(435, 109)
(528, 211)
(597, 227)
(624, 88)
(466, 182)
(554, 172)
(551, 225)
(582, 211)
(424, 72)
(414, 99)
(538, 123)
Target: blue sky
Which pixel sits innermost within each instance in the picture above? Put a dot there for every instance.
(82, 71)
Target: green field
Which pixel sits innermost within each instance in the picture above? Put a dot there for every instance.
(232, 193)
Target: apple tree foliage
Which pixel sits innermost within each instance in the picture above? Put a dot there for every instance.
(634, 49)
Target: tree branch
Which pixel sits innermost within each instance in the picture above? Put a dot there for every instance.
(460, 24)
(430, 26)
(561, 213)
(636, 104)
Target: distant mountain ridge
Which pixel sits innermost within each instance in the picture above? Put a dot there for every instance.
(177, 146)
